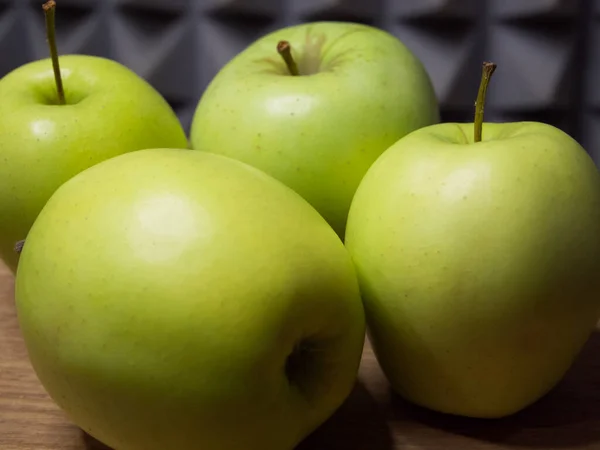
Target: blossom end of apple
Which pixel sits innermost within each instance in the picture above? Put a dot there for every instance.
(19, 246)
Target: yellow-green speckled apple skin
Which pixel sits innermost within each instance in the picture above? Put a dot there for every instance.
(110, 111)
(161, 294)
(479, 263)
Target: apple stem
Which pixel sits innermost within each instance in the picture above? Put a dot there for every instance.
(285, 50)
(488, 70)
(50, 12)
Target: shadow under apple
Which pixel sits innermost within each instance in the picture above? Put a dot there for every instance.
(565, 418)
(358, 424)
(91, 443)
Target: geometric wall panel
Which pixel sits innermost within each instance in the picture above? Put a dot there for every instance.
(535, 8)
(592, 73)
(547, 51)
(445, 9)
(451, 57)
(243, 8)
(13, 38)
(534, 68)
(324, 9)
(156, 5)
(591, 135)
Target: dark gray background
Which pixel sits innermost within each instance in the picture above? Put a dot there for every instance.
(547, 51)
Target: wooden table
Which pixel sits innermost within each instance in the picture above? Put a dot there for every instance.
(371, 419)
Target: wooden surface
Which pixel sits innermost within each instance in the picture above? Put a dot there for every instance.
(371, 419)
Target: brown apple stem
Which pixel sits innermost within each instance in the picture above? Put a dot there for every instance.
(285, 50)
(50, 12)
(488, 70)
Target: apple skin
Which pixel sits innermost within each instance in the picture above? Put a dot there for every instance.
(110, 110)
(317, 133)
(478, 263)
(160, 294)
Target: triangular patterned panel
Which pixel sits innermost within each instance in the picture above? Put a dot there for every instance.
(592, 75)
(97, 41)
(533, 68)
(75, 27)
(452, 37)
(14, 46)
(467, 9)
(220, 41)
(330, 9)
(591, 136)
(157, 5)
(142, 39)
(451, 57)
(527, 9)
(263, 8)
(84, 4)
(175, 73)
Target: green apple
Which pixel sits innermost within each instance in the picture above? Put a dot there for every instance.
(109, 110)
(174, 299)
(317, 118)
(479, 262)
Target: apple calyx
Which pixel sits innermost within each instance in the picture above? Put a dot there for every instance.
(50, 12)
(19, 246)
(486, 73)
(302, 365)
(285, 50)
